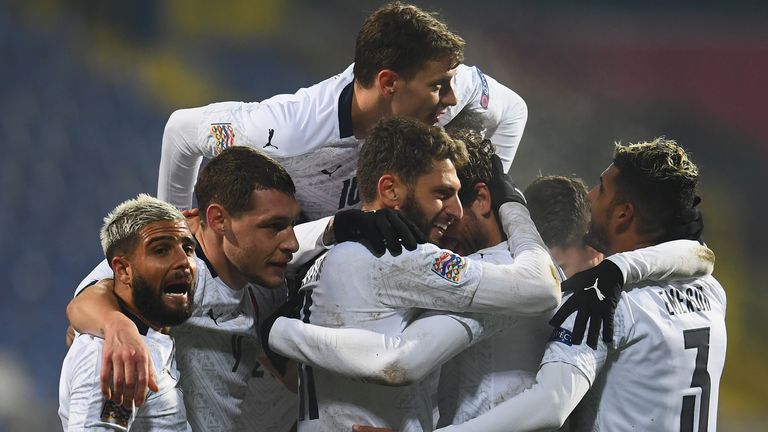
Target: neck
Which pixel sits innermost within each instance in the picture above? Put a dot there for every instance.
(366, 110)
(124, 293)
(213, 248)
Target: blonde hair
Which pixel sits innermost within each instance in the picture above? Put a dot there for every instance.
(122, 225)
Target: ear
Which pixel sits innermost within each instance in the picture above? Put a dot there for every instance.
(386, 81)
(215, 217)
(482, 202)
(623, 217)
(122, 269)
(390, 191)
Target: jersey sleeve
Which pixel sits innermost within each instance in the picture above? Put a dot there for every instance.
(503, 111)
(669, 261)
(589, 361)
(87, 407)
(310, 237)
(545, 406)
(274, 126)
(389, 359)
(432, 278)
(530, 285)
(101, 271)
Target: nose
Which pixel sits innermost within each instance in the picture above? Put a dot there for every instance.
(290, 243)
(453, 208)
(448, 96)
(182, 260)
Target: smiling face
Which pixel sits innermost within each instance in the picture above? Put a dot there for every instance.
(432, 203)
(259, 242)
(427, 94)
(163, 272)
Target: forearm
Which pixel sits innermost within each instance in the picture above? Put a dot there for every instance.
(180, 158)
(531, 284)
(669, 261)
(95, 309)
(559, 388)
(369, 356)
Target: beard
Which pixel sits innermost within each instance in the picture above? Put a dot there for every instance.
(150, 304)
(597, 238)
(411, 210)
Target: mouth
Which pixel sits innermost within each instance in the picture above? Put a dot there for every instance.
(440, 228)
(436, 116)
(178, 289)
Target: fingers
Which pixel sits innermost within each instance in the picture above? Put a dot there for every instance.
(129, 384)
(118, 380)
(594, 332)
(388, 232)
(371, 233)
(151, 381)
(579, 326)
(106, 375)
(403, 232)
(564, 312)
(143, 370)
(608, 329)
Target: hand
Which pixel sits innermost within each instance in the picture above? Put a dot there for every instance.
(193, 219)
(361, 428)
(502, 187)
(289, 309)
(595, 295)
(380, 229)
(127, 360)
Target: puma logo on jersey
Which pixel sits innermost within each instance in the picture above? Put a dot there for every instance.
(600, 295)
(329, 172)
(269, 139)
(214, 318)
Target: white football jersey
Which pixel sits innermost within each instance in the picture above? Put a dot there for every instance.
(225, 387)
(663, 370)
(82, 406)
(379, 295)
(310, 134)
(497, 367)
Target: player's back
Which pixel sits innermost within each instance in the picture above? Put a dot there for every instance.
(495, 368)
(341, 296)
(665, 371)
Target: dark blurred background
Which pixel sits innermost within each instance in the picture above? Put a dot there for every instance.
(87, 85)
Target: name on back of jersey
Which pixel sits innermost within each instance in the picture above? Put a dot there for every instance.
(679, 301)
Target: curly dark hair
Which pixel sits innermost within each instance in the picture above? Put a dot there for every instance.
(406, 148)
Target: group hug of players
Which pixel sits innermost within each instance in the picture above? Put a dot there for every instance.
(425, 287)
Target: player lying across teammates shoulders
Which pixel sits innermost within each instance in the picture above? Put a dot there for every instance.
(399, 358)
(407, 63)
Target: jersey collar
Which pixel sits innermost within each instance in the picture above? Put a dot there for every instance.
(345, 110)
